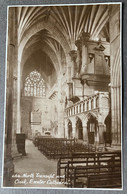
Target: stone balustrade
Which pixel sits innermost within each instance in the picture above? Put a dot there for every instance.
(99, 100)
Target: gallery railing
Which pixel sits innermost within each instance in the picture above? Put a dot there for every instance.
(99, 100)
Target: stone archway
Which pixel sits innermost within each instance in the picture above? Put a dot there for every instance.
(107, 133)
(107, 122)
(79, 129)
(38, 27)
(92, 129)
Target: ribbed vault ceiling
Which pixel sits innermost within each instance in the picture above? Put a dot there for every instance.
(71, 20)
(47, 43)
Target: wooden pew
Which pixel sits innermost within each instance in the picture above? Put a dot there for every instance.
(77, 169)
(79, 175)
(63, 161)
(55, 147)
(107, 180)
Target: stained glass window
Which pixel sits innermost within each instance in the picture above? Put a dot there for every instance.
(34, 85)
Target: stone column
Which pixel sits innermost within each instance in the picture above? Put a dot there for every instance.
(115, 68)
(74, 129)
(61, 129)
(14, 128)
(79, 56)
(85, 106)
(100, 133)
(89, 104)
(8, 161)
(66, 128)
(73, 54)
(69, 69)
(60, 120)
(84, 38)
(19, 97)
(70, 90)
(85, 133)
(94, 102)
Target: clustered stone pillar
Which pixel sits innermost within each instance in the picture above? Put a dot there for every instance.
(8, 161)
(19, 98)
(84, 38)
(61, 128)
(14, 128)
(100, 132)
(69, 67)
(66, 128)
(85, 133)
(73, 129)
(115, 65)
(79, 56)
(73, 54)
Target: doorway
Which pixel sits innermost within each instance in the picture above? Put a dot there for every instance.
(92, 125)
(108, 134)
(79, 129)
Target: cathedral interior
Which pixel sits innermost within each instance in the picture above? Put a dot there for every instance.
(63, 78)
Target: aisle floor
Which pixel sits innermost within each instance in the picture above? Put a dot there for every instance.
(35, 170)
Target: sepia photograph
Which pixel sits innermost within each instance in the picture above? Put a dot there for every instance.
(63, 110)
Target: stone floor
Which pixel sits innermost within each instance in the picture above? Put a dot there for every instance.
(35, 170)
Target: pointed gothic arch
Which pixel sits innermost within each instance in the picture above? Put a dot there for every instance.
(79, 128)
(92, 125)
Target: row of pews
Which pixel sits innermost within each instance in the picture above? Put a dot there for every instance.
(91, 170)
(54, 148)
(79, 165)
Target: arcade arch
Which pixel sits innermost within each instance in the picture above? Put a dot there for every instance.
(92, 129)
(79, 129)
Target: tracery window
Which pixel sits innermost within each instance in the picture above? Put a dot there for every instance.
(34, 85)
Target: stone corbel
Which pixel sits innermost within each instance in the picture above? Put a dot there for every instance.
(100, 47)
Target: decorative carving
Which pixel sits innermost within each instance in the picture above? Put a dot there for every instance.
(100, 47)
(35, 109)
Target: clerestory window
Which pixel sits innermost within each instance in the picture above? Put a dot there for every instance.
(34, 85)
